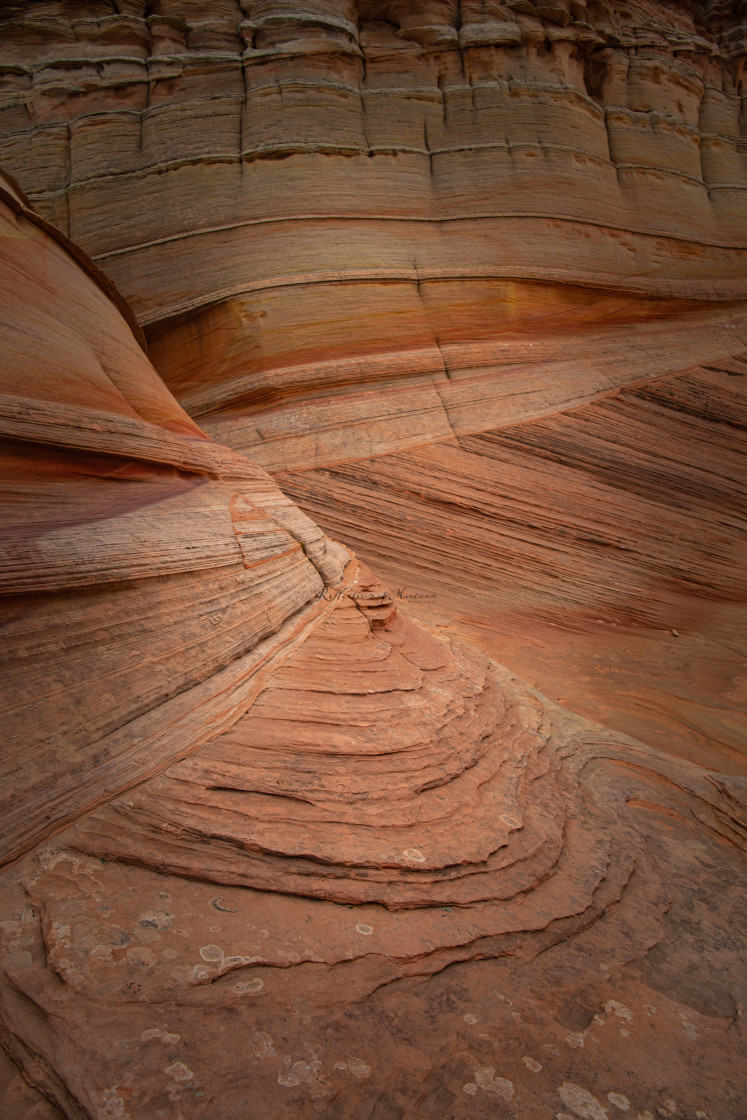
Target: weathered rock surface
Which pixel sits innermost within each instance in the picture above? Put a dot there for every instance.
(273, 926)
(356, 230)
(469, 280)
(147, 573)
(355, 227)
(599, 552)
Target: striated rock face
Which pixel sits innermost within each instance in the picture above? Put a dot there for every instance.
(469, 280)
(363, 229)
(600, 551)
(402, 885)
(147, 573)
(390, 217)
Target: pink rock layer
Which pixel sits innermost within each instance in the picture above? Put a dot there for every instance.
(147, 573)
(402, 885)
(357, 232)
(599, 552)
(355, 870)
(470, 280)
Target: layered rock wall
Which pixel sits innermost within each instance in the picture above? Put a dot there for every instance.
(469, 279)
(147, 573)
(600, 551)
(374, 242)
(356, 230)
(327, 213)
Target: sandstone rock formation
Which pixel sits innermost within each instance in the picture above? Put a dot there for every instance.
(600, 551)
(355, 228)
(273, 926)
(468, 279)
(147, 572)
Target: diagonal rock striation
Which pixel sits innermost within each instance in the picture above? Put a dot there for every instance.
(122, 520)
(469, 279)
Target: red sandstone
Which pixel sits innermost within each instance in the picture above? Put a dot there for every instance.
(468, 279)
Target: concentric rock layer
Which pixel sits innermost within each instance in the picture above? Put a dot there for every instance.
(147, 573)
(323, 928)
(354, 230)
(469, 280)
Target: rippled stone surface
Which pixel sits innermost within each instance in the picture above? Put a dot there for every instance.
(599, 552)
(469, 280)
(403, 884)
(356, 233)
(147, 573)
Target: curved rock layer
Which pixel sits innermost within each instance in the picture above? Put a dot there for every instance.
(598, 552)
(353, 226)
(360, 234)
(147, 573)
(439, 263)
(403, 885)
(320, 861)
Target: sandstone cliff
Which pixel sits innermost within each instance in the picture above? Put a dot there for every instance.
(468, 279)
(355, 229)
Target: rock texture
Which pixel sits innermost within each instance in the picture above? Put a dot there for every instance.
(600, 551)
(468, 279)
(385, 221)
(359, 229)
(147, 573)
(402, 885)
